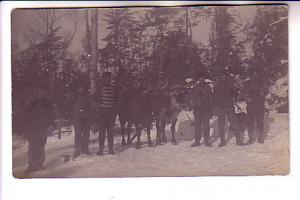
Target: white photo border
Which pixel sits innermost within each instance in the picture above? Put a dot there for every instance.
(251, 187)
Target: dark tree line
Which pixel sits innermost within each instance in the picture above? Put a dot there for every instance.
(145, 48)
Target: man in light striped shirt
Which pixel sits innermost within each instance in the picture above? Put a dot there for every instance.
(107, 113)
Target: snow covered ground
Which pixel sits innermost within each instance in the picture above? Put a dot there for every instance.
(270, 158)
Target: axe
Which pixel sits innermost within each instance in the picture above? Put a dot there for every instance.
(192, 122)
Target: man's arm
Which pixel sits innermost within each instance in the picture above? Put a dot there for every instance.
(195, 95)
(215, 96)
(93, 107)
(210, 96)
(245, 91)
(52, 113)
(265, 89)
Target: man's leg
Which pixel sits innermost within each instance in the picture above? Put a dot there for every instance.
(86, 138)
(36, 150)
(234, 124)
(102, 133)
(173, 126)
(78, 138)
(206, 128)
(41, 150)
(251, 123)
(221, 125)
(197, 125)
(260, 114)
(110, 133)
(31, 152)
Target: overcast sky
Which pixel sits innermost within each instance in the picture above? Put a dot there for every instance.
(22, 19)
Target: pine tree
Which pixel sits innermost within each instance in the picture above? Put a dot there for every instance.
(269, 37)
(123, 38)
(124, 51)
(174, 56)
(226, 48)
(269, 41)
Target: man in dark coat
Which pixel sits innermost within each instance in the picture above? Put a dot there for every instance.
(254, 93)
(83, 116)
(40, 117)
(224, 98)
(203, 108)
(107, 112)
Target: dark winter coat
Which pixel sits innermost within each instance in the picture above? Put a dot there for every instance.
(254, 92)
(83, 108)
(202, 97)
(40, 114)
(224, 95)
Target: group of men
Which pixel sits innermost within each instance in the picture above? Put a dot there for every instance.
(85, 115)
(205, 103)
(41, 116)
(221, 102)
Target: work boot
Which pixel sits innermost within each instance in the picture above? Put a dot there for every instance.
(111, 152)
(222, 144)
(195, 144)
(174, 142)
(164, 138)
(138, 145)
(100, 153)
(150, 143)
(251, 141)
(75, 155)
(207, 144)
(239, 141)
(87, 153)
(261, 141)
(157, 143)
(35, 169)
(123, 142)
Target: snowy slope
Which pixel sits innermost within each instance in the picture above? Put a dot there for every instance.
(168, 160)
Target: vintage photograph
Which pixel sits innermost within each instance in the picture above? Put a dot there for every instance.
(150, 91)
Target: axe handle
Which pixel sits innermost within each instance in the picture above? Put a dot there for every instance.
(192, 122)
(188, 116)
(132, 138)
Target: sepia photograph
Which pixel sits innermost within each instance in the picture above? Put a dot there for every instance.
(150, 91)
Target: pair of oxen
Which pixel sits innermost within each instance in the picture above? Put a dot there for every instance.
(141, 108)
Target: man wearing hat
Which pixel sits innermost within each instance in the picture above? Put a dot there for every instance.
(223, 100)
(40, 117)
(83, 116)
(254, 93)
(202, 104)
(107, 112)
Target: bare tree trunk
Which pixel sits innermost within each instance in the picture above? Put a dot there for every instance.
(187, 24)
(94, 50)
(213, 37)
(88, 40)
(190, 27)
(88, 32)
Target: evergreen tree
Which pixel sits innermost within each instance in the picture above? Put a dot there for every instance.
(270, 41)
(123, 38)
(226, 48)
(174, 56)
